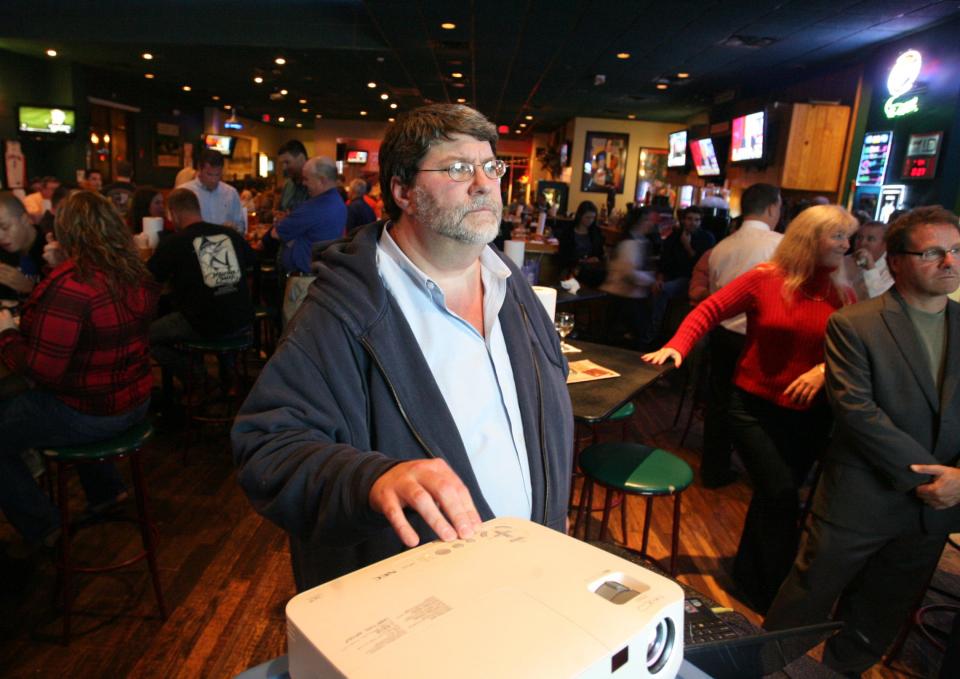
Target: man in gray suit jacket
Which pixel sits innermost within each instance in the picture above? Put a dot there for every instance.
(890, 489)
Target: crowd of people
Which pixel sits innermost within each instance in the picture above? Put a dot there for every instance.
(420, 387)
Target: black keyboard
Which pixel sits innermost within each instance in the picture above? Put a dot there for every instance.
(702, 625)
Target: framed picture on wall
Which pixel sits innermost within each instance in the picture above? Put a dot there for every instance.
(167, 145)
(651, 174)
(604, 162)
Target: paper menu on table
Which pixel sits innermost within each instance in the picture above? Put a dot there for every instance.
(586, 371)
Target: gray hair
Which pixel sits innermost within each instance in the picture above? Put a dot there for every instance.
(359, 187)
(321, 167)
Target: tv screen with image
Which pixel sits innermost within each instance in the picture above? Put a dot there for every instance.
(747, 137)
(47, 120)
(677, 149)
(221, 143)
(704, 157)
(356, 156)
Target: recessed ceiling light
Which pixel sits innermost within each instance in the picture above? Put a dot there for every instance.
(147, 56)
(305, 110)
(661, 86)
(281, 119)
(227, 107)
(683, 75)
(319, 115)
(528, 117)
(516, 131)
(371, 84)
(632, 116)
(523, 124)
(384, 96)
(456, 74)
(623, 55)
(393, 105)
(448, 25)
(258, 80)
(186, 88)
(279, 61)
(148, 76)
(391, 120)
(363, 113)
(51, 52)
(461, 100)
(303, 101)
(216, 97)
(299, 124)
(283, 92)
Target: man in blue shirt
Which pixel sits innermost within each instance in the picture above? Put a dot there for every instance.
(359, 211)
(319, 219)
(420, 389)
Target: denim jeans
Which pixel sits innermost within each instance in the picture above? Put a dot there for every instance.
(37, 419)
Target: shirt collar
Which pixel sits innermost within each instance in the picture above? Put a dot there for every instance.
(755, 224)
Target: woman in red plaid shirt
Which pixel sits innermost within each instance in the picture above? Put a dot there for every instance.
(82, 346)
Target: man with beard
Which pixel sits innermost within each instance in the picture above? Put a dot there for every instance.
(421, 389)
(291, 157)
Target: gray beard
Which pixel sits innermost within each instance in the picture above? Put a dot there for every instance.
(450, 222)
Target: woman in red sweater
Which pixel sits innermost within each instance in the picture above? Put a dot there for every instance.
(779, 422)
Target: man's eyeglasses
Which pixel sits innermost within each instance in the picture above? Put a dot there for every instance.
(462, 171)
(934, 254)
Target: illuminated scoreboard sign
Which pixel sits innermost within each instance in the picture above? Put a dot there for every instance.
(873, 158)
(923, 152)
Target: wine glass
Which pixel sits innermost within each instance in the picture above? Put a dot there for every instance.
(564, 324)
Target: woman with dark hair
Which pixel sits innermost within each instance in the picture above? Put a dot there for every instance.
(630, 278)
(581, 247)
(147, 202)
(82, 341)
(777, 416)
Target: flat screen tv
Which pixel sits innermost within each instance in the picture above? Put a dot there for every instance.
(47, 120)
(356, 156)
(677, 149)
(704, 157)
(748, 137)
(221, 143)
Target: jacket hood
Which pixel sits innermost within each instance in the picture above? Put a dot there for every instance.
(348, 282)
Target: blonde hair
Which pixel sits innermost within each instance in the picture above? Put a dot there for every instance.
(96, 238)
(796, 256)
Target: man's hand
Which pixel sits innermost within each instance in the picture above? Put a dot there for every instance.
(53, 253)
(944, 491)
(13, 279)
(6, 320)
(431, 489)
(864, 259)
(803, 389)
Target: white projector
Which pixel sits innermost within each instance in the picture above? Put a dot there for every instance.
(517, 600)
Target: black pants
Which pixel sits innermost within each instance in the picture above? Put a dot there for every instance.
(725, 349)
(873, 579)
(778, 446)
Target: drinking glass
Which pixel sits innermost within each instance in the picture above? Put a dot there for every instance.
(564, 324)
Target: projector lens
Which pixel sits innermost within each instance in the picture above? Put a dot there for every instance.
(660, 645)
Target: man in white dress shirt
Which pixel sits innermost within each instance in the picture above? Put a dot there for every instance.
(866, 269)
(219, 202)
(736, 254)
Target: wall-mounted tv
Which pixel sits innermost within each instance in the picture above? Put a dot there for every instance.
(704, 157)
(748, 137)
(677, 149)
(47, 120)
(357, 156)
(221, 143)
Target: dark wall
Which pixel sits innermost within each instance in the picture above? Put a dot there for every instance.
(24, 80)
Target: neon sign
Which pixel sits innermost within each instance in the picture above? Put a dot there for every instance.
(901, 79)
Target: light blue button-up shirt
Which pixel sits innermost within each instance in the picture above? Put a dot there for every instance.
(473, 372)
(220, 206)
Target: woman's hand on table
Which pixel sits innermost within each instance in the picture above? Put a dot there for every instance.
(663, 355)
(803, 389)
(6, 320)
(15, 280)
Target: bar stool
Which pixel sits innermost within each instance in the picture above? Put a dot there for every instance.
(266, 321)
(125, 445)
(198, 408)
(623, 415)
(633, 469)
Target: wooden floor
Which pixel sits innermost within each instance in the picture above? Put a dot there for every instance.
(226, 573)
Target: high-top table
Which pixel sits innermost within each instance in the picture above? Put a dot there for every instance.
(597, 400)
